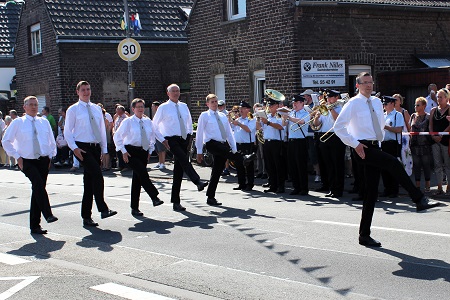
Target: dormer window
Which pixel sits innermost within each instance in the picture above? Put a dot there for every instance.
(35, 35)
(236, 9)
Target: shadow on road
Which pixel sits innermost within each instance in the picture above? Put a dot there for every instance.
(103, 239)
(42, 247)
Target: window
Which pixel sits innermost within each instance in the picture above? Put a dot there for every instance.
(236, 9)
(219, 86)
(41, 102)
(353, 71)
(35, 33)
(259, 81)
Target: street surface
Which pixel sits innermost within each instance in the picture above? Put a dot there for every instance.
(255, 246)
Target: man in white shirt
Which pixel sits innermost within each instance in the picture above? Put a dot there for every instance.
(174, 121)
(359, 125)
(85, 134)
(30, 141)
(431, 98)
(135, 140)
(2, 151)
(214, 131)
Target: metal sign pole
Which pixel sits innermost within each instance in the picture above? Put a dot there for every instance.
(130, 63)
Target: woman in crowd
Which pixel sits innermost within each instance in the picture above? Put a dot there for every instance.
(421, 144)
(439, 123)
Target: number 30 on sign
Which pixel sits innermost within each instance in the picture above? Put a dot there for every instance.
(129, 49)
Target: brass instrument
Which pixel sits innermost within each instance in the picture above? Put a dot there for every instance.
(273, 94)
(321, 109)
(340, 102)
(250, 115)
(260, 136)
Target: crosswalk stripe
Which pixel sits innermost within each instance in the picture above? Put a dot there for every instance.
(127, 292)
(12, 259)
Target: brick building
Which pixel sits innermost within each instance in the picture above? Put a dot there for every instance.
(237, 48)
(61, 42)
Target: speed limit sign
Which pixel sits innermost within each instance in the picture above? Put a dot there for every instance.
(129, 49)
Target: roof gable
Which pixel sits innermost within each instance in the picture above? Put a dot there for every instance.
(9, 24)
(99, 19)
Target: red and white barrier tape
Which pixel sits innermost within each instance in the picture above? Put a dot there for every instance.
(425, 133)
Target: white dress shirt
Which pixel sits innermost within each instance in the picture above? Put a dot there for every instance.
(430, 104)
(328, 120)
(242, 136)
(18, 138)
(271, 133)
(355, 121)
(129, 133)
(299, 133)
(78, 127)
(208, 129)
(2, 128)
(166, 119)
(395, 119)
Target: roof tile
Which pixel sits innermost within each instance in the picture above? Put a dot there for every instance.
(9, 23)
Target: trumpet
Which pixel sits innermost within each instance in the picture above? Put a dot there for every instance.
(321, 109)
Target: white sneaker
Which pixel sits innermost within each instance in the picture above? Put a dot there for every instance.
(158, 166)
(317, 179)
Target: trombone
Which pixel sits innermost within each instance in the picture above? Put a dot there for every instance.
(337, 103)
(321, 108)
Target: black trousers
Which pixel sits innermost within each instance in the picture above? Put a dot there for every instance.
(390, 182)
(273, 151)
(179, 148)
(138, 163)
(249, 170)
(375, 162)
(93, 179)
(333, 154)
(298, 163)
(321, 161)
(221, 152)
(37, 171)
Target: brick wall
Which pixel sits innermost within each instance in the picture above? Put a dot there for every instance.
(276, 36)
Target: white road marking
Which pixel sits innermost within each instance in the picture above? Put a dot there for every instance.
(385, 228)
(25, 281)
(127, 292)
(12, 259)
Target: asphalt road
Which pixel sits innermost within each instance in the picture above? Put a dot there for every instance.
(255, 246)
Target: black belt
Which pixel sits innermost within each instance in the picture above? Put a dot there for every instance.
(295, 139)
(134, 147)
(272, 140)
(214, 141)
(370, 143)
(390, 141)
(39, 158)
(87, 144)
(244, 143)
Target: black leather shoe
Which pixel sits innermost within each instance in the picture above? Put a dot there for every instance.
(266, 185)
(240, 187)
(337, 195)
(393, 196)
(368, 241)
(303, 193)
(330, 194)
(89, 222)
(201, 185)
(425, 203)
(384, 194)
(52, 219)
(259, 175)
(38, 230)
(108, 213)
(279, 191)
(322, 189)
(178, 207)
(249, 158)
(212, 202)
(137, 213)
(294, 192)
(157, 201)
(264, 176)
(248, 188)
(357, 199)
(270, 190)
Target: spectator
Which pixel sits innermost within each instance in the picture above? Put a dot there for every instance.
(46, 114)
(2, 151)
(160, 148)
(431, 98)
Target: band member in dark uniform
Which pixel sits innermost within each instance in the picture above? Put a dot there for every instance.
(298, 145)
(214, 131)
(244, 129)
(174, 121)
(273, 147)
(29, 139)
(391, 143)
(85, 134)
(135, 139)
(331, 148)
(360, 125)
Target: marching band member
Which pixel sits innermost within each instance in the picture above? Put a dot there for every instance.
(260, 164)
(244, 129)
(215, 131)
(298, 145)
(273, 147)
(331, 148)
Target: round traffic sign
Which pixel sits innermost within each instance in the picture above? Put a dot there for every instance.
(129, 49)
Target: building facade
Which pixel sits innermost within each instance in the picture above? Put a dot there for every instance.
(237, 48)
